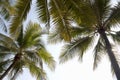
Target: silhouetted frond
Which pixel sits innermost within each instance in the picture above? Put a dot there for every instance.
(75, 48)
(99, 50)
(47, 58)
(43, 12)
(22, 7)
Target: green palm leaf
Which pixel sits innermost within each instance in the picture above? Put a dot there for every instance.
(31, 35)
(54, 37)
(34, 70)
(101, 9)
(75, 48)
(22, 7)
(47, 58)
(61, 19)
(43, 11)
(31, 55)
(8, 42)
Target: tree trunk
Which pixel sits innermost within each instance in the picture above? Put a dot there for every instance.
(7, 71)
(16, 58)
(110, 54)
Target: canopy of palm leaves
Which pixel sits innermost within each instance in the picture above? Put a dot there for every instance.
(76, 21)
(84, 20)
(48, 11)
(27, 51)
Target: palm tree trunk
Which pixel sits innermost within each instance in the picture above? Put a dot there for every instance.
(110, 54)
(16, 58)
(7, 71)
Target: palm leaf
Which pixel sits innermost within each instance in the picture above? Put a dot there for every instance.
(4, 18)
(8, 6)
(47, 58)
(54, 37)
(81, 31)
(32, 35)
(75, 48)
(43, 11)
(4, 64)
(8, 42)
(22, 8)
(114, 17)
(3, 48)
(82, 13)
(32, 56)
(20, 37)
(5, 55)
(98, 53)
(101, 9)
(61, 19)
(34, 70)
(116, 37)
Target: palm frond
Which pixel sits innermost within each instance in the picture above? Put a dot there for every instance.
(75, 48)
(4, 49)
(16, 74)
(99, 50)
(4, 64)
(20, 37)
(54, 37)
(5, 55)
(43, 12)
(4, 18)
(82, 13)
(3, 25)
(31, 55)
(35, 70)
(8, 6)
(47, 58)
(116, 37)
(101, 9)
(31, 35)
(8, 42)
(61, 18)
(81, 31)
(114, 17)
(22, 8)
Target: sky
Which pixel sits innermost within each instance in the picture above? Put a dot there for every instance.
(73, 69)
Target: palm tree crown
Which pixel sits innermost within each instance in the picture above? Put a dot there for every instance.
(27, 51)
(88, 22)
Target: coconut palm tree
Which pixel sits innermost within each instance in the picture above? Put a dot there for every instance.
(93, 22)
(27, 51)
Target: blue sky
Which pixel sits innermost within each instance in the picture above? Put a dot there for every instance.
(73, 69)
